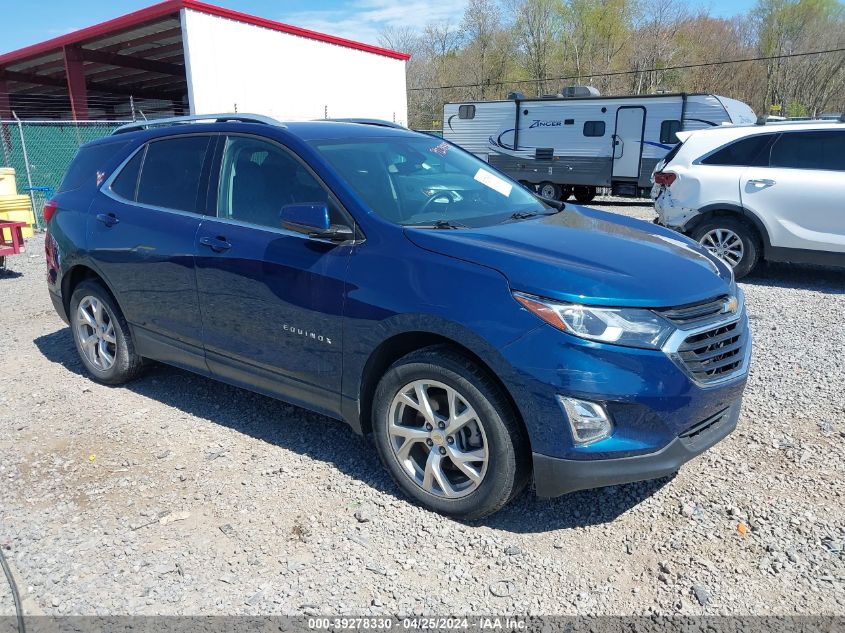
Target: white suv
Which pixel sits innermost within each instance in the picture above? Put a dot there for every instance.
(774, 192)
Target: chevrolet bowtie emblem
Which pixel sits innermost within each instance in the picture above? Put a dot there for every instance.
(730, 305)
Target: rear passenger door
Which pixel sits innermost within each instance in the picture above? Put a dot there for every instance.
(141, 235)
(271, 299)
(800, 190)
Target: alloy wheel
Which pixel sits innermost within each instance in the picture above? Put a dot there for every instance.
(724, 244)
(95, 329)
(438, 439)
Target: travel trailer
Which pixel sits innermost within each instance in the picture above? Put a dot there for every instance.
(564, 145)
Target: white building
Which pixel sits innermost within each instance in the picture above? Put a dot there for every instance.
(184, 56)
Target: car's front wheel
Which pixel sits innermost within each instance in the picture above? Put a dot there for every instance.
(102, 336)
(448, 435)
(732, 241)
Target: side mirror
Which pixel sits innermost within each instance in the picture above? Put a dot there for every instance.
(312, 219)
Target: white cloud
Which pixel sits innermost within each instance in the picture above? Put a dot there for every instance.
(363, 19)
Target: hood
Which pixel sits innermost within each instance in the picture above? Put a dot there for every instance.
(588, 256)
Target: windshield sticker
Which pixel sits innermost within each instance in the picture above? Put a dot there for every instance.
(441, 149)
(494, 182)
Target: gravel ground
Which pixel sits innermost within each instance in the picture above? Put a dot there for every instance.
(179, 495)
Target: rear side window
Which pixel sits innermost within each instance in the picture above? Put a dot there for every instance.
(89, 164)
(466, 112)
(126, 183)
(594, 128)
(668, 131)
(809, 150)
(746, 152)
(171, 173)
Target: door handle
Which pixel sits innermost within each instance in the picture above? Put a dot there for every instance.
(109, 219)
(762, 182)
(619, 144)
(217, 244)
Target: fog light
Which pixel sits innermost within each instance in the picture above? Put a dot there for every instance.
(588, 420)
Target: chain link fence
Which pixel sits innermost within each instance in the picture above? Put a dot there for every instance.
(40, 152)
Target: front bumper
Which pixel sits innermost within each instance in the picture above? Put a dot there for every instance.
(555, 476)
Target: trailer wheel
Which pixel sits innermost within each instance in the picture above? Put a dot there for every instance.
(585, 194)
(565, 192)
(549, 190)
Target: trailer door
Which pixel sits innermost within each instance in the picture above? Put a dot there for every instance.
(628, 141)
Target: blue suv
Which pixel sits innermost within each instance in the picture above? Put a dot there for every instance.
(484, 337)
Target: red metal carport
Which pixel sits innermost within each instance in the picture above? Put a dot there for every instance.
(94, 72)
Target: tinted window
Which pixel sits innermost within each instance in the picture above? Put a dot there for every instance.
(418, 180)
(172, 172)
(810, 150)
(89, 164)
(126, 183)
(668, 130)
(594, 128)
(258, 178)
(466, 112)
(746, 152)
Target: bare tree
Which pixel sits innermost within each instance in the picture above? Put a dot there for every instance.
(537, 31)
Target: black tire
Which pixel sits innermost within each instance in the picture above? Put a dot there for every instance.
(584, 194)
(508, 465)
(751, 246)
(549, 190)
(127, 364)
(565, 192)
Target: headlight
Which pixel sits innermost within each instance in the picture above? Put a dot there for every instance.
(622, 326)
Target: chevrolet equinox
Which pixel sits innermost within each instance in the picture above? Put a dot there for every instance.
(484, 337)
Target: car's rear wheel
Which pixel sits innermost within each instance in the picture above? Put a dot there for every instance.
(549, 190)
(584, 194)
(447, 434)
(102, 336)
(732, 241)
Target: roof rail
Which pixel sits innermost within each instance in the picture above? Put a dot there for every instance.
(217, 118)
(376, 122)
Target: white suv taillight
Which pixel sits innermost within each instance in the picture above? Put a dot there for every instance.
(665, 178)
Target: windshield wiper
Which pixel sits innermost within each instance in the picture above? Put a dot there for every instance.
(441, 224)
(525, 215)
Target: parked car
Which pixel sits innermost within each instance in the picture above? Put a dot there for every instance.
(771, 192)
(390, 279)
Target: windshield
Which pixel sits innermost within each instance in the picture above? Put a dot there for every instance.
(423, 181)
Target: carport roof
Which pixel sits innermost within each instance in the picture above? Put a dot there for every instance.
(98, 69)
(113, 29)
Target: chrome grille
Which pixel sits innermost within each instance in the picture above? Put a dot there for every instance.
(711, 344)
(714, 353)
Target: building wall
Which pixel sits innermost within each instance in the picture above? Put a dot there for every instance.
(256, 69)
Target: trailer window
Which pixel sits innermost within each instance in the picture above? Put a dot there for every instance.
(466, 112)
(669, 130)
(594, 128)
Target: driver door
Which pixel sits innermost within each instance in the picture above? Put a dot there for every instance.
(271, 299)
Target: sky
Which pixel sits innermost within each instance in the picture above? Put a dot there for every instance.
(361, 20)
